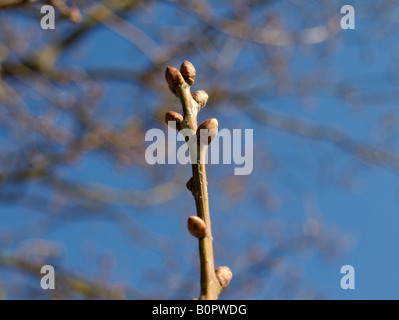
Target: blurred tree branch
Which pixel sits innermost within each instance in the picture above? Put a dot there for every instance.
(62, 105)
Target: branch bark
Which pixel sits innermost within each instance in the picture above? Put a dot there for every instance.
(179, 83)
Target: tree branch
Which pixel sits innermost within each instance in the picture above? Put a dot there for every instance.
(212, 282)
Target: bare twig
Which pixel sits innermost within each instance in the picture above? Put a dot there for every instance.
(212, 281)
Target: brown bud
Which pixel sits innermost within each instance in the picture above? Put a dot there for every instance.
(196, 226)
(173, 116)
(201, 97)
(188, 72)
(189, 184)
(209, 130)
(224, 275)
(173, 78)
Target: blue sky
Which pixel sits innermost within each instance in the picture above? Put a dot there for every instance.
(366, 215)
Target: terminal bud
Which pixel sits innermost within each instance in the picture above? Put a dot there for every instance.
(174, 79)
(188, 72)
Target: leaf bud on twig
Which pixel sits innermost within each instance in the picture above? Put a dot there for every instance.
(197, 227)
(201, 97)
(207, 131)
(188, 72)
(174, 79)
(176, 117)
(189, 184)
(224, 275)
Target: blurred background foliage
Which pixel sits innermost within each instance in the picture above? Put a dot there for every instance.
(75, 103)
